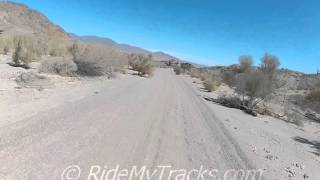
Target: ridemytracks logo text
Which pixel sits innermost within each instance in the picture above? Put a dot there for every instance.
(164, 172)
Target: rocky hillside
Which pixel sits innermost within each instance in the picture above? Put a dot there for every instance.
(17, 19)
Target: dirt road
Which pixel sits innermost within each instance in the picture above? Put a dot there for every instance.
(139, 122)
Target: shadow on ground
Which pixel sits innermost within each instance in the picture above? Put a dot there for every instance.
(313, 144)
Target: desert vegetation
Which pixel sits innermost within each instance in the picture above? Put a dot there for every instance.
(211, 84)
(251, 85)
(58, 65)
(22, 56)
(141, 64)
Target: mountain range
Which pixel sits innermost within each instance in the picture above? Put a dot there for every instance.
(17, 19)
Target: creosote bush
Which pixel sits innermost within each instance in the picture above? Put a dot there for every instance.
(141, 63)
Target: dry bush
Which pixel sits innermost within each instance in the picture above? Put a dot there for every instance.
(58, 65)
(21, 56)
(314, 96)
(186, 67)
(76, 50)
(233, 102)
(312, 100)
(141, 63)
(177, 70)
(245, 63)
(211, 84)
(294, 117)
(229, 78)
(269, 63)
(195, 73)
(256, 86)
(97, 60)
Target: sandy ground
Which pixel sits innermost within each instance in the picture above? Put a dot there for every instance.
(138, 121)
(283, 150)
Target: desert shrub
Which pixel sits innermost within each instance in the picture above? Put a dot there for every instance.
(233, 102)
(90, 62)
(58, 65)
(313, 100)
(269, 63)
(194, 73)
(245, 63)
(177, 70)
(141, 63)
(255, 86)
(294, 117)
(16, 57)
(211, 84)
(97, 60)
(204, 75)
(229, 78)
(186, 67)
(75, 51)
(21, 56)
(86, 68)
(314, 96)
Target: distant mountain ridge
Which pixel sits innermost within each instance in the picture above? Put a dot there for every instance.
(160, 56)
(18, 19)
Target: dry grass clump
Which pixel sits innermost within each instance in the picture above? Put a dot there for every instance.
(141, 63)
(211, 84)
(58, 65)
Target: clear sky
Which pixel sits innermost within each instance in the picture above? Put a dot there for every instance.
(210, 32)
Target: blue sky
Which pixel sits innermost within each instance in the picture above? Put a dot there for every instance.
(207, 32)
